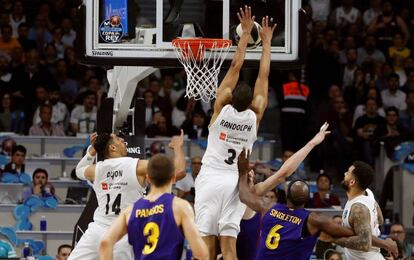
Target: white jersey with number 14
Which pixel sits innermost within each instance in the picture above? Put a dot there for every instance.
(116, 187)
(228, 135)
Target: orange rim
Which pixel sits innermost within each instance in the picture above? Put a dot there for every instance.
(196, 43)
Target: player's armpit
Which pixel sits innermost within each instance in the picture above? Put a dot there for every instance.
(186, 220)
(320, 222)
(115, 232)
(359, 219)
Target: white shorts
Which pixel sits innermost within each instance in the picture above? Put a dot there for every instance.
(88, 246)
(218, 209)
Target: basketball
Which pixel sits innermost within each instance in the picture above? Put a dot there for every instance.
(115, 20)
(254, 39)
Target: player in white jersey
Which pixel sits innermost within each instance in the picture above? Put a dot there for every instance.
(360, 214)
(233, 126)
(118, 182)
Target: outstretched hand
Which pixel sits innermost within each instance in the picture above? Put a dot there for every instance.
(320, 136)
(92, 140)
(177, 141)
(246, 19)
(268, 27)
(391, 247)
(243, 162)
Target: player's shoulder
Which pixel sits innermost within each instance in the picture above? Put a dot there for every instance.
(181, 206)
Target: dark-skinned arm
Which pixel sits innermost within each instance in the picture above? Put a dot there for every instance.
(325, 224)
(246, 193)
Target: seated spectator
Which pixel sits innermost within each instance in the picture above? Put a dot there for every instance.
(7, 146)
(345, 16)
(393, 96)
(333, 255)
(68, 34)
(360, 110)
(40, 187)
(17, 16)
(323, 247)
(398, 52)
(150, 107)
(397, 232)
(323, 198)
(392, 133)
(407, 116)
(46, 127)
(83, 117)
(60, 111)
(16, 164)
(197, 126)
(11, 120)
(364, 131)
(23, 33)
(372, 13)
(5, 75)
(63, 252)
(68, 87)
(409, 84)
(7, 41)
(160, 127)
(386, 24)
(369, 52)
(185, 187)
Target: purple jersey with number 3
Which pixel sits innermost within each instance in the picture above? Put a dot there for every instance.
(152, 230)
(282, 235)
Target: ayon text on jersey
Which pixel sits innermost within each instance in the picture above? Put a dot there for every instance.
(114, 174)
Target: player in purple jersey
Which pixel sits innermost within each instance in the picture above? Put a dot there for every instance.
(287, 231)
(156, 225)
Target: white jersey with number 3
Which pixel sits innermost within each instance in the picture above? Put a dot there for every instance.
(228, 135)
(369, 202)
(116, 187)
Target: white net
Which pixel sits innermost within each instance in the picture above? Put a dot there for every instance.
(202, 59)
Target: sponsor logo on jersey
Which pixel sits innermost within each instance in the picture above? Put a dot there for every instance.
(105, 186)
(222, 136)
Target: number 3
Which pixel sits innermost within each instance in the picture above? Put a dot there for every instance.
(152, 232)
(230, 160)
(273, 238)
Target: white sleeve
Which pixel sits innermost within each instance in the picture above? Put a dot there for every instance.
(86, 161)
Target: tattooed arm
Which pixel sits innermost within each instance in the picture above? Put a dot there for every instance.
(359, 219)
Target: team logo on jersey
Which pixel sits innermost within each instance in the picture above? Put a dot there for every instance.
(105, 186)
(222, 136)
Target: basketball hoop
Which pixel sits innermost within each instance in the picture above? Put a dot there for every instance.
(202, 59)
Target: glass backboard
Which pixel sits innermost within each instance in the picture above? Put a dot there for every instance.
(139, 32)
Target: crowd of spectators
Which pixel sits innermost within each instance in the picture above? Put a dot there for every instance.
(358, 76)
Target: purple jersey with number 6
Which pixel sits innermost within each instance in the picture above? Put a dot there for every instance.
(284, 234)
(152, 230)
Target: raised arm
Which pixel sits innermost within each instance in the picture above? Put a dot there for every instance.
(85, 169)
(261, 88)
(115, 232)
(246, 193)
(179, 159)
(291, 164)
(198, 247)
(228, 84)
(176, 144)
(359, 219)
